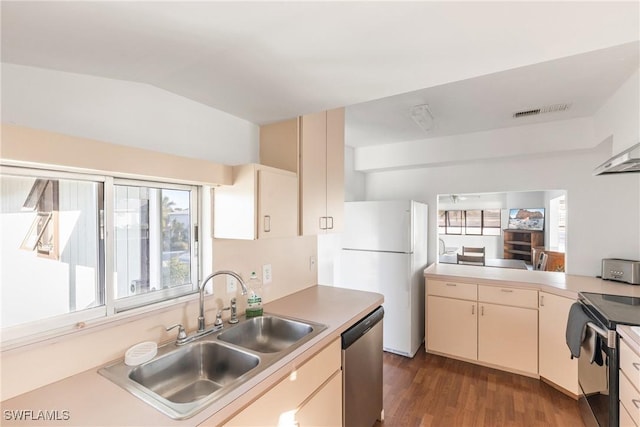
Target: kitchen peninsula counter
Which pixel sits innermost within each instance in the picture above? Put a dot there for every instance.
(557, 283)
(89, 399)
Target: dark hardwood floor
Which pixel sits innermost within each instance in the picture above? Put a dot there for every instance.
(431, 390)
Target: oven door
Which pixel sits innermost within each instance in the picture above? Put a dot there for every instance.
(597, 376)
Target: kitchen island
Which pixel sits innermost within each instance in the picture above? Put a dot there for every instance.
(89, 399)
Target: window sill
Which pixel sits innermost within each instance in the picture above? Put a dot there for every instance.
(95, 324)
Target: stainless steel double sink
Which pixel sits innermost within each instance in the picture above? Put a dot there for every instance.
(180, 381)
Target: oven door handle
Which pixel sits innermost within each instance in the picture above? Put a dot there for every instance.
(608, 336)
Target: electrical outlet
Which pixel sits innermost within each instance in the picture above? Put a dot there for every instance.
(266, 274)
(312, 263)
(232, 285)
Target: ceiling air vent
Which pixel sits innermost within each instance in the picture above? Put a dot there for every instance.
(546, 109)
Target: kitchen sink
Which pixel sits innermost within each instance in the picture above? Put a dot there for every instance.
(267, 334)
(180, 381)
(194, 371)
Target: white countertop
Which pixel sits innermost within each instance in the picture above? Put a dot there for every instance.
(557, 283)
(630, 337)
(92, 400)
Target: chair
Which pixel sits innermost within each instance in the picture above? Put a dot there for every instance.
(541, 262)
(470, 259)
(469, 250)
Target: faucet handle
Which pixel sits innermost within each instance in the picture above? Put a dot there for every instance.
(182, 334)
(218, 321)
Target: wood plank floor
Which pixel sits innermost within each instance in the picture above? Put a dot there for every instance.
(431, 390)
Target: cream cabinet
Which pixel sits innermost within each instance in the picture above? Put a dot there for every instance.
(496, 326)
(322, 172)
(629, 386)
(508, 328)
(508, 337)
(324, 408)
(261, 203)
(451, 319)
(555, 362)
(310, 395)
(313, 147)
(452, 327)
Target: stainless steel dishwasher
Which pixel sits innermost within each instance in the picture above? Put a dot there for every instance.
(362, 371)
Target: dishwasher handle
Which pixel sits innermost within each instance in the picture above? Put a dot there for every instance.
(352, 334)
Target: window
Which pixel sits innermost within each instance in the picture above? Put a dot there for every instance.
(55, 251)
(450, 222)
(51, 264)
(486, 222)
(153, 249)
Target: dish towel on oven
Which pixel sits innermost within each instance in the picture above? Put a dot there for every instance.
(576, 328)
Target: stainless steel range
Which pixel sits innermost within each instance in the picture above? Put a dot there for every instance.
(598, 361)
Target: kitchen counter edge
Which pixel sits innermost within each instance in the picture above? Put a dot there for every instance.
(561, 284)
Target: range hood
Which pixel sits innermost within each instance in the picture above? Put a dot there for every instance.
(627, 161)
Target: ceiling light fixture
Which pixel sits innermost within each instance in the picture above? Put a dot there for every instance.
(422, 115)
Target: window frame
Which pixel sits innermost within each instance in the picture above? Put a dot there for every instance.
(121, 304)
(463, 226)
(109, 311)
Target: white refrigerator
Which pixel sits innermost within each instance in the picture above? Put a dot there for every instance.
(384, 250)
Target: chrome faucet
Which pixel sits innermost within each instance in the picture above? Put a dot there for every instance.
(201, 322)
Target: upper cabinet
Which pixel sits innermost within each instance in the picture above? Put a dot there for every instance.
(261, 203)
(318, 143)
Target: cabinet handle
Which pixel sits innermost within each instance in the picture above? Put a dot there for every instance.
(330, 218)
(541, 300)
(323, 223)
(636, 402)
(506, 290)
(451, 284)
(637, 366)
(482, 310)
(473, 309)
(267, 223)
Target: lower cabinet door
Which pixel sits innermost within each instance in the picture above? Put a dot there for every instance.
(452, 327)
(556, 364)
(324, 408)
(508, 337)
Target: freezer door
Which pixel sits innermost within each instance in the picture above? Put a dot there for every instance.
(388, 274)
(378, 226)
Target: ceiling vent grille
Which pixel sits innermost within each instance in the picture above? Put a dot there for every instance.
(546, 109)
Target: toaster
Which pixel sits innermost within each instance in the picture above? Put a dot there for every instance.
(621, 270)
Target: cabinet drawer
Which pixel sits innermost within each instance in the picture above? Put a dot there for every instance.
(452, 289)
(630, 398)
(630, 364)
(625, 418)
(508, 295)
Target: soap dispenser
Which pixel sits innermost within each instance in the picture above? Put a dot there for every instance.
(254, 301)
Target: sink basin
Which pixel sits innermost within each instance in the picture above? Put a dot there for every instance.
(193, 372)
(183, 380)
(267, 334)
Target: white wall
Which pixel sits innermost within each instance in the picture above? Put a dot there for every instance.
(124, 113)
(603, 211)
(505, 143)
(354, 181)
(619, 117)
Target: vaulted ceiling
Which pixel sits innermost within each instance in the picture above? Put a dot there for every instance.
(474, 63)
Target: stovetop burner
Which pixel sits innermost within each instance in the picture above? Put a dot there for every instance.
(612, 310)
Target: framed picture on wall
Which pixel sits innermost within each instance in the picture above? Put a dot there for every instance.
(526, 219)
